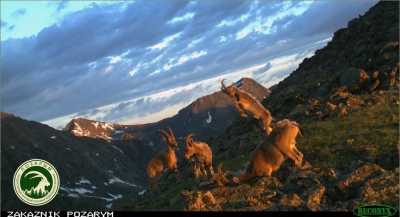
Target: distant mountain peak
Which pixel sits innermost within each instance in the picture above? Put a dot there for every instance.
(90, 128)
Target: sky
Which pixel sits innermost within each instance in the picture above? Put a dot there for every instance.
(141, 61)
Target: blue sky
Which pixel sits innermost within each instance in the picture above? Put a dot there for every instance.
(141, 61)
(27, 18)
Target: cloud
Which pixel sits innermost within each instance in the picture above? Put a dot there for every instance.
(61, 5)
(182, 18)
(6, 26)
(183, 59)
(105, 54)
(18, 13)
(165, 42)
(156, 106)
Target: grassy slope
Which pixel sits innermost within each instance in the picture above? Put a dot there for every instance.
(369, 134)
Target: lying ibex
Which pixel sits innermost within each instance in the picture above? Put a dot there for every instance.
(201, 151)
(270, 155)
(162, 161)
(246, 103)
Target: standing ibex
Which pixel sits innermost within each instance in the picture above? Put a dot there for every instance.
(245, 102)
(201, 151)
(270, 155)
(161, 161)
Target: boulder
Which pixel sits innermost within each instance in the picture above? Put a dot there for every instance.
(382, 189)
(314, 199)
(360, 175)
(290, 201)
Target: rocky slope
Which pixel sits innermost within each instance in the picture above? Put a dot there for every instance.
(370, 43)
(313, 189)
(350, 126)
(94, 173)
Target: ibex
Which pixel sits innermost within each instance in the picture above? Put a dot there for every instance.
(201, 151)
(270, 155)
(246, 103)
(162, 161)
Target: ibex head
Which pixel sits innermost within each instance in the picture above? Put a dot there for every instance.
(231, 90)
(169, 138)
(189, 148)
(36, 174)
(363, 76)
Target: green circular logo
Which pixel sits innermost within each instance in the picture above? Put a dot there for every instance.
(36, 182)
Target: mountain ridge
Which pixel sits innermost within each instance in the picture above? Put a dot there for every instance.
(205, 116)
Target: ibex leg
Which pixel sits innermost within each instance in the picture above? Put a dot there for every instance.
(210, 168)
(298, 152)
(196, 169)
(294, 157)
(240, 109)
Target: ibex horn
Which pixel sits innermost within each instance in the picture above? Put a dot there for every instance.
(298, 126)
(189, 138)
(223, 87)
(300, 132)
(170, 131)
(165, 134)
(36, 174)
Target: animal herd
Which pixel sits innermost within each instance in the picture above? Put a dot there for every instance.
(280, 144)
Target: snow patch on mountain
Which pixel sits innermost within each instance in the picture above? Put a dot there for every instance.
(118, 180)
(118, 149)
(73, 192)
(209, 119)
(83, 181)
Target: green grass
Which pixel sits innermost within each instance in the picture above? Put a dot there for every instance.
(368, 134)
(236, 157)
(166, 197)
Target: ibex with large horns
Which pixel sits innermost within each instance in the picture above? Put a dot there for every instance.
(246, 103)
(270, 155)
(162, 161)
(203, 153)
(40, 188)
